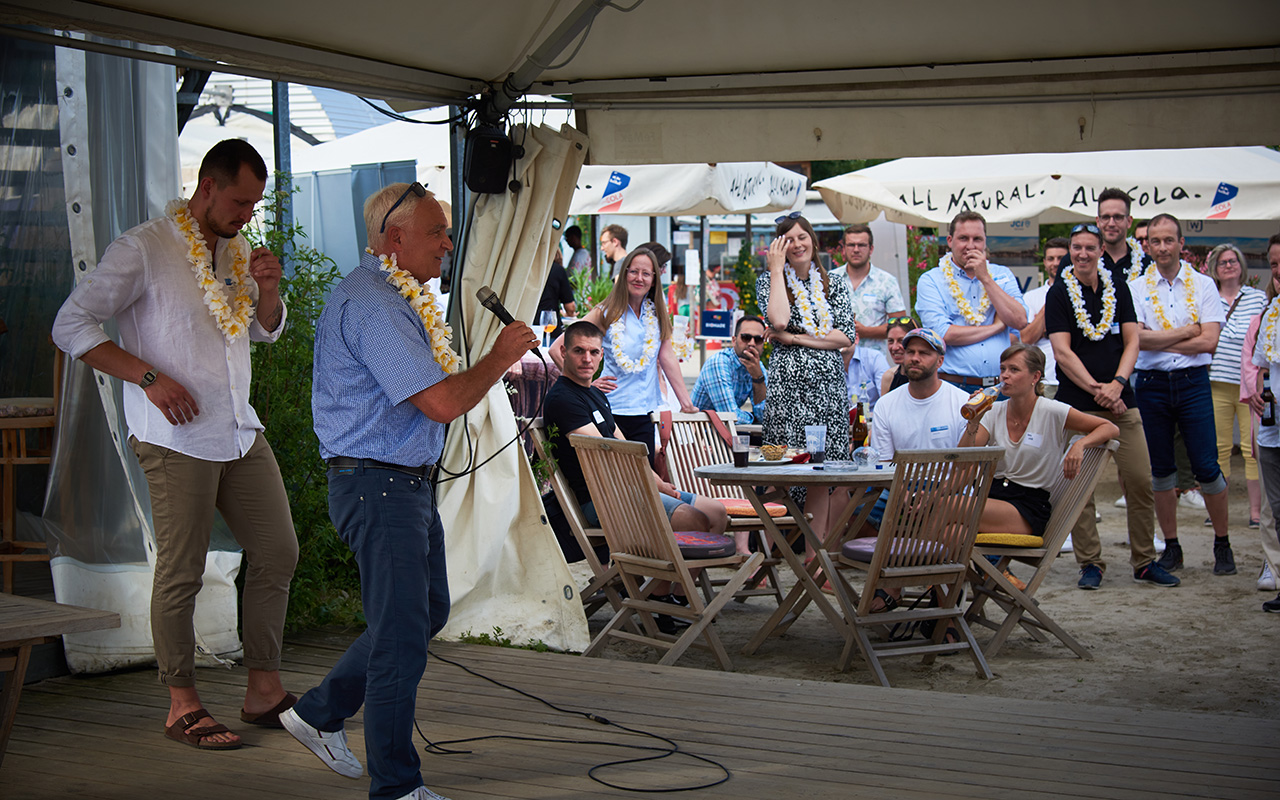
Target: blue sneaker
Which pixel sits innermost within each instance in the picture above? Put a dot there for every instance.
(1090, 577)
(1155, 574)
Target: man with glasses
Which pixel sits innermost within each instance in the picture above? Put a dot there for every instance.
(386, 382)
(729, 377)
(613, 243)
(1113, 221)
(974, 306)
(874, 293)
(1096, 346)
(1181, 316)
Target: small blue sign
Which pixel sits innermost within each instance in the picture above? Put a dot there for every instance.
(717, 324)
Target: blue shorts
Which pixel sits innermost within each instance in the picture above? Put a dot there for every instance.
(669, 504)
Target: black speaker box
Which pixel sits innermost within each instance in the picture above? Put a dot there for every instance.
(486, 162)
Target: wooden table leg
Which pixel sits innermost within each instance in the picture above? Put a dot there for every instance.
(16, 667)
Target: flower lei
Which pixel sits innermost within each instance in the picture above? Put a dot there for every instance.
(1188, 291)
(1093, 332)
(618, 330)
(966, 310)
(815, 311)
(232, 320)
(1136, 254)
(1270, 346)
(423, 301)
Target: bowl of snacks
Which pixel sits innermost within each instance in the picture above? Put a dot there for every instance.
(773, 452)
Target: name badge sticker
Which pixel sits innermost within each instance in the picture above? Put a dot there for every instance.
(939, 431)
(598, 417)
(1115, 327)
(1032, 440)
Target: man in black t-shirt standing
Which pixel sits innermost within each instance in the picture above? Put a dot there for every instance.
(573, 405)
(1090, 319)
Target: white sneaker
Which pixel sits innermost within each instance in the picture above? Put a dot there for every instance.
(1097, 515)
(423, 793)
(1266, 580)
(1067, 547)
(331, 748)
(1159, 543)
(1191, 498)
(1122, 503)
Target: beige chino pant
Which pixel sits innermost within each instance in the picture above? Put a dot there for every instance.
(1134, 464)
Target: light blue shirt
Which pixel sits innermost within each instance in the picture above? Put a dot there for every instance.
(724, 385)
(637, 392)
(938, 311)
(866, 367)
(372, 354)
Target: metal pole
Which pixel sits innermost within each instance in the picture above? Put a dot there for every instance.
(284, 169)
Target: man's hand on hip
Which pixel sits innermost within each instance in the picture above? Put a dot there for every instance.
(173, 400)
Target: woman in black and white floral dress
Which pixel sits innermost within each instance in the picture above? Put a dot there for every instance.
(810, 319)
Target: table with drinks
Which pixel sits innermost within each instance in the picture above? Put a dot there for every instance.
(768, 482)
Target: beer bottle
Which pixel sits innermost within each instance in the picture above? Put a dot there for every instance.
(980, 401)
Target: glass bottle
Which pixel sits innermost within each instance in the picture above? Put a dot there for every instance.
(980, 401)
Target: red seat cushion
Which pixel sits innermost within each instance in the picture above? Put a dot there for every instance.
(862, 549)
(697, 544)
(742, 508)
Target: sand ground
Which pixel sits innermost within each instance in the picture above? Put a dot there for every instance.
(1203, 646)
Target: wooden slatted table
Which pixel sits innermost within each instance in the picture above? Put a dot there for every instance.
(24, 623)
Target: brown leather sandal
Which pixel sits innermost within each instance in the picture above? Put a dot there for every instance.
(271, 717)
(196, 738)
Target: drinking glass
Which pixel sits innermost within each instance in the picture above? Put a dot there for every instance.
(547, 321)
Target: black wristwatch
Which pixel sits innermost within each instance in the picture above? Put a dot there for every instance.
(1122, 380)
(758, 380)
(148, 378)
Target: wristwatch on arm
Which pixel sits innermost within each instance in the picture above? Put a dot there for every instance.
(148, 378)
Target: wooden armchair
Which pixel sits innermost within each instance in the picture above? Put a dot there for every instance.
(924, 541)
(644, 549)
(992, 588)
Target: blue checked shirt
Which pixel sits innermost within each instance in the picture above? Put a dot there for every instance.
(724, 385)
(372, 354)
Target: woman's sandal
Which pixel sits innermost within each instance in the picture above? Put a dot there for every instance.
(887, 602)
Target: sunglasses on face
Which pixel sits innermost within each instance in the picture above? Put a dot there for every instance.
(785, 217)
(416, 188)
(749, 338)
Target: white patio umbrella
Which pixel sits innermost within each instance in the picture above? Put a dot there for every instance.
(1237, 183)
(505, 567)
(687, 189)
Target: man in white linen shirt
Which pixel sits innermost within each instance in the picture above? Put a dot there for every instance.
(1180, 315)
(874, 293)
(199, 442)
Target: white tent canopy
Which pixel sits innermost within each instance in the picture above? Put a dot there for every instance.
(687, 189)
(1228, 183)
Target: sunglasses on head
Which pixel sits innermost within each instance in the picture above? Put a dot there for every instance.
(749, 338)
(416, 188)
(785, 217)
(1085, 227)
(900, 321)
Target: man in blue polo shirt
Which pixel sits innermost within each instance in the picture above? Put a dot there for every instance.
(971, 304)
(386, 382)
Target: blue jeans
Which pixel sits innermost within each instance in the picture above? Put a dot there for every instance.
(389, 520)
(1183, 398)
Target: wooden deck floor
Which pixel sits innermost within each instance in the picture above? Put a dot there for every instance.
(100, 737)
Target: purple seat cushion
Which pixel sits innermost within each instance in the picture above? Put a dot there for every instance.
(696, 544)
(862, 549)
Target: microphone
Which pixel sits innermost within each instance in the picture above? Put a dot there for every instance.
(490, 301)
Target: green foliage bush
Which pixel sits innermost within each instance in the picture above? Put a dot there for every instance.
(326, 584)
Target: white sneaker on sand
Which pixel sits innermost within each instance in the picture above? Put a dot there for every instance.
(423, 793)
(1122, 503)
(1191, 498)
(1266, 580)
(1159, 543)
(331, 748)
(1067, 547)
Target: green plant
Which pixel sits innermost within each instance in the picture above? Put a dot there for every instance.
(544, 468)
(922, 255)
(589, 292)
(500, 640)
(326, 584)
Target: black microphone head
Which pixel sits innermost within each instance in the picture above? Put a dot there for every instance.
(486, 296)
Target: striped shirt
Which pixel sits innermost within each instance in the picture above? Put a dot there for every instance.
(1226, 359)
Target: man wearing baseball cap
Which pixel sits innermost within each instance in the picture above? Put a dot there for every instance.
(925, 413)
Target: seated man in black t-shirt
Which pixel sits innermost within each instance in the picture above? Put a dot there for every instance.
(573, 405)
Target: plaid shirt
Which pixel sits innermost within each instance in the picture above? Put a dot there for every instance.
(724, 385)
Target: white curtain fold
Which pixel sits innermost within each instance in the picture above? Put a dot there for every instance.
(505, 568)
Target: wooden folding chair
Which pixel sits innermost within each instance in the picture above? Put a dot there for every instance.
(925, 540)
(989, 582)
(644, 549)
(694, 442)
(604, 584)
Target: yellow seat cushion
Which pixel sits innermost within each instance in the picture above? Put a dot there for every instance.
(743, 508)
(1010, 539)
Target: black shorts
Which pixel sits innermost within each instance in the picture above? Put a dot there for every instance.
(1032, 504)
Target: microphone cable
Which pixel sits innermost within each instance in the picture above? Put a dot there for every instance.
(655, 753)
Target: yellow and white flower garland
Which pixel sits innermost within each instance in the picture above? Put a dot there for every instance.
(1270, 345)
(1136, 254)
(423, 301)
(1188, 292)
(815, 311)
(232, 319)
(973, 317)
(618, 330)
(1093, 332)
